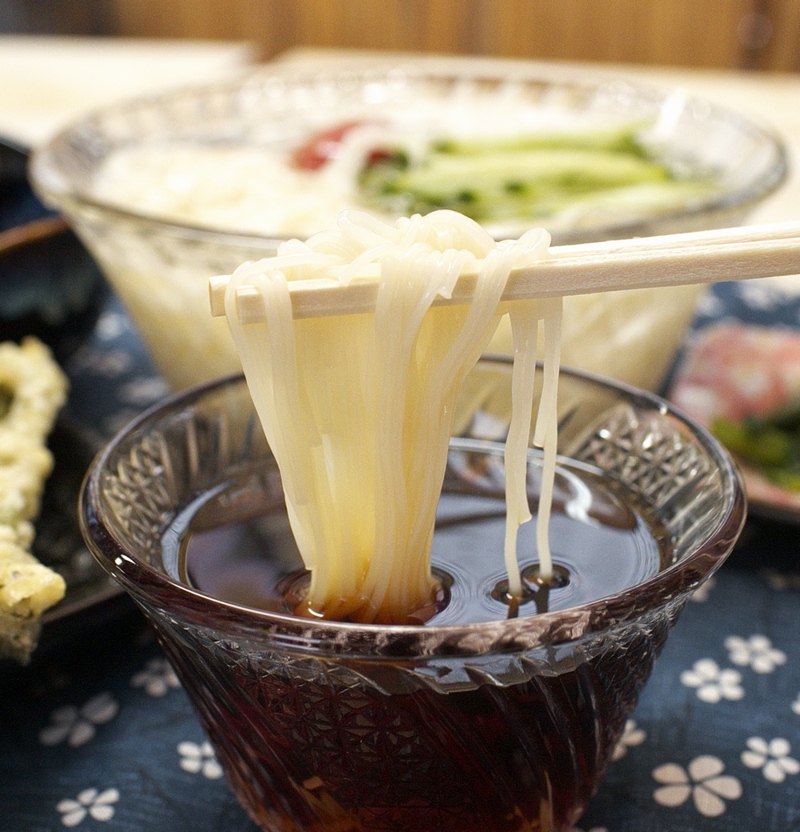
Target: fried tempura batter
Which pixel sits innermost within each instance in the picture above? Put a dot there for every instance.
(32, 390)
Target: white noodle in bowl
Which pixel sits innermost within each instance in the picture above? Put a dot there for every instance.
(159, 266)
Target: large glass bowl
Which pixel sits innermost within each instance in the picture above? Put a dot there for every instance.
(451, 727)
(160, 268)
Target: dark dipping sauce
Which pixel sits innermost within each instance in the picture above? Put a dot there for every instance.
(343, 753)
(602, 543)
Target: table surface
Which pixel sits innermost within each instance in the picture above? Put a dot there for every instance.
(48, 81)
(97, 733)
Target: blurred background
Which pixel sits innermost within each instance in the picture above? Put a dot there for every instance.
(727, 34)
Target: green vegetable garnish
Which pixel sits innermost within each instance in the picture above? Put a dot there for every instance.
(770, 444)
(525, 178)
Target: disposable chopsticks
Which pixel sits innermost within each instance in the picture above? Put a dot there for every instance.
(740, 253)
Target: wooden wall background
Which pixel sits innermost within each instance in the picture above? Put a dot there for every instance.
(746, 34)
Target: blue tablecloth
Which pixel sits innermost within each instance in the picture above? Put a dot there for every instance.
(97, 734)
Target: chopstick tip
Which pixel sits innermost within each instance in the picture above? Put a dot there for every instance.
(216, 294)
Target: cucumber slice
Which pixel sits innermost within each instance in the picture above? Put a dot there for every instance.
(613, 139)
(524, 183)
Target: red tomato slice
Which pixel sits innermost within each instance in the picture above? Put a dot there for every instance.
(322, 147)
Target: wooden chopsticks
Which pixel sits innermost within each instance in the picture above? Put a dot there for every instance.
(740, 253)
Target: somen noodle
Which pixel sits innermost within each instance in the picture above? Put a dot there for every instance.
(358, 409)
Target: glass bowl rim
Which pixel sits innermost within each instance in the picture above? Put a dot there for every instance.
(673, 582)
(55, 185)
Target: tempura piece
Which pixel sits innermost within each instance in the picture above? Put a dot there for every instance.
(32, 390)
(27, 589)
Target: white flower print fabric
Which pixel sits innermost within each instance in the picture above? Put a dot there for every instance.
(199, 758)
(77, 725)
(90, 803)
(702, 780)
(103, 738)
(771, 757)
(157, 678)
(755, 652)
(712, 682)
(631, 737)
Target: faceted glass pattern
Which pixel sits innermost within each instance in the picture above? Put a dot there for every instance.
(500, 726)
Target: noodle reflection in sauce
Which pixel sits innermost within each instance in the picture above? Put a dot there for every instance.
(358, 409)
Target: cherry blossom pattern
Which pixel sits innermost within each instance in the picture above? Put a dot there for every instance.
(91, 803)
(632, 735)
(703, 781)
(112, 325)
(712, 682)
(106, 363)
(781, 581)
(157, 678)
(770, 294)
(755, 652)
(771, 757)
(710, 305)
(143, 390)
(77, 725)
(703, 591)
(199, 758)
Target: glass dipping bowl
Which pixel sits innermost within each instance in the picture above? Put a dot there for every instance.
(505, 725)
(160, 267)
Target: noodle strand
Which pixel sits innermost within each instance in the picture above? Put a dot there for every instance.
(359, 409)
